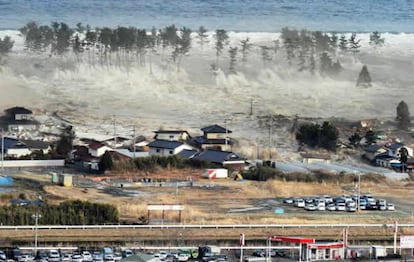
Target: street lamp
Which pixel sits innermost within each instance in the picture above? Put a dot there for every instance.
(36, 218)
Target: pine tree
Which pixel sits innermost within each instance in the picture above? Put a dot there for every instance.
(403, 116)
(245, 47)
(364, 79)
(375, 39)
(232, 54)
(106, 162)
(343, 43)
(221, 40)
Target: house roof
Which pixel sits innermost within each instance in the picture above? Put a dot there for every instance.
(201, 140)
(95, 146)
(36, 144)
(215, 129)
(18, 110)
(165, 144)
(13, 143)
(395, 146)
(187, 153)
(170, 131)
(220, 157)
(130, 154)
(372, 148)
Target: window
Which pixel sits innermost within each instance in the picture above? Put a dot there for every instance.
(158, 150)
(171, 152)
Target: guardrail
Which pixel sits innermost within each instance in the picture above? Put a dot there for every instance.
(280, 226)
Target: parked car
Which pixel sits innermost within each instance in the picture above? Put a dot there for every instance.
(77, 258)
(390, 207)
(340, 207)
(299, 202)
(127, 253)
(66, 257)
(331, 207)
(183, 257)
(26, 258)
(97, 256)
(280, 252)
(2, 255)
(87, 256)
(288, 200)
(259, 253)
(310, 207)
(54, 256)
(117, 256)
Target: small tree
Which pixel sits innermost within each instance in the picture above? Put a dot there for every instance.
(343, 43)
(233, 60)
(403, 116)
(106, 162)
(6, 44)
(364, 79)
(245, 46)
(375, 39)
(202, 35)
(370, 137)
(64, 145)
(355, 139)
(221, 40)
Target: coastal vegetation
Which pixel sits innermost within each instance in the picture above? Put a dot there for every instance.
(71, 212)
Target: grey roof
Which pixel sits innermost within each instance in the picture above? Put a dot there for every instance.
(187, 153)
(372, 148)
(395, 146)
(36, 144)
(215, 129)
(165, 144)
(201, 140)
(216, 156)
(170, 131)
(18, 110)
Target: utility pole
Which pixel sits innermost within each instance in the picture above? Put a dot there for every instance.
(133, 140)
(114, 131)
(2, 151)
(251, 106)
(36, 218)
(270, 135)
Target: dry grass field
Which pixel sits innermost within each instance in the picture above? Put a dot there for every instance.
(233, 202)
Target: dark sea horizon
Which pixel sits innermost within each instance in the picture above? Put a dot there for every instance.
(393, 16)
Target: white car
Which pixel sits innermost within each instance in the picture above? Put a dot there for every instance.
(390, 207)
(331, 207)
(87, 256)
(25, 258)
(77, 258)
(183, 257)
(67, 257)
(117, 256)
(53, 256)
(109, 258)
(340, 207)
(310, 207)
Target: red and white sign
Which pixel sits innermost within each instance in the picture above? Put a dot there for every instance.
(406, 241)
(242, 239)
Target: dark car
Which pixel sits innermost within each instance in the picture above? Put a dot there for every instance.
(280, 253)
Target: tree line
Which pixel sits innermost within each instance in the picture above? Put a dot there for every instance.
(306, 50)
(72, 212)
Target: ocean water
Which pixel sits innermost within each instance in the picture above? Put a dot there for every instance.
(233, 15)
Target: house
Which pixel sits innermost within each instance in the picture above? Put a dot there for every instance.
(372, 151)
(310, 158)
(172, 135)
(131, 154)
(384, 160)
(214, 137)
(393, 150)
(224, 158)
(18, 119)
(166, 147)
(14, 148)
(98, 149)
(37, 145)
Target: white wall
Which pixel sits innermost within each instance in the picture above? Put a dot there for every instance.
(33, 163)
